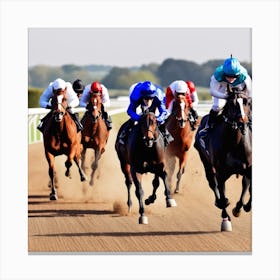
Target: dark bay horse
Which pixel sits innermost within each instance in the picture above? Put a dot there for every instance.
(228, 151)
(179, 126)
(95, 134)
(61, 137)
(143, 153)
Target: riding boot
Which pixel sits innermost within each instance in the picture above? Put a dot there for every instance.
(209, 125)
(43, 122)
(107, 119)
(124, 134)
(166, 134)
(194, 113)
(76, 119)
(193, 118)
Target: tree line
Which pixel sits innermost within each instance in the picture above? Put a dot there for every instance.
(162, 74)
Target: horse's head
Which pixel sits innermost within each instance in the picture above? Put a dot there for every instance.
(59, 104)
(180, 109)
(148, 127)
(237, 110)
(94, 106)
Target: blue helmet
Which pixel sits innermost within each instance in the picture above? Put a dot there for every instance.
(148, 90)
(232, 67)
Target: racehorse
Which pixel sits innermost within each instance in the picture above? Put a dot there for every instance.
(228, 151)
(143, 153)
(95, 133)
(180, 128)
(61, 137)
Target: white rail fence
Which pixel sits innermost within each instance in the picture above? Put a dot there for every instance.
(35, 114)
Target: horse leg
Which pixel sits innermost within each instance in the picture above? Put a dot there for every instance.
(236, 211)
(212, 180)
(171, 162)
(70, 157)
(170, 202)
(226, 221)
(128, 182)
(94, 165)
(68, 164)
(223, 201)
(139, 194)
(83, 157)
(153, 197)
(182, 162)
(81, 172)
(50, 159)
(247, 207)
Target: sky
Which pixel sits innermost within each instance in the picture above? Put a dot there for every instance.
(127, 47)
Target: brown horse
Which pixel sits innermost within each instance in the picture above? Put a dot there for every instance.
(143, 153)
(227, 150)
(61, 137)
(179, 126)
(95, 134)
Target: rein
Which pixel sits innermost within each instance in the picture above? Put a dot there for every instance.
(94, 119)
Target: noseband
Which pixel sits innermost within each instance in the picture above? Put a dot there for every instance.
(94, 107)
(61, 110)
(150, 140)
(183, 116)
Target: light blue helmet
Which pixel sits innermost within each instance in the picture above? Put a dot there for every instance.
(148, 90)
(232, 67)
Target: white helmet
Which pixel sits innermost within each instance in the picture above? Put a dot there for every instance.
(59, 84)
(181, 87)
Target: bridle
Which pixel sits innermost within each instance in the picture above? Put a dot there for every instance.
(94, 107)
(151, 135)
(61, 109)
(184, 117)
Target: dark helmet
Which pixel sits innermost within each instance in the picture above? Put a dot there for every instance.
(78, 86)
(148, 90)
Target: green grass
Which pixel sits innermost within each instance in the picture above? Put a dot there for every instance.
(119, 119)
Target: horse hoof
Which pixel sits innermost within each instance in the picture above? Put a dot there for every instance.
(176, 191)
(171, 202)
(226, 225)
(143, 220)
(150, 199)
(247, 208)
(147, 201)
(53, 196)
(235, 212)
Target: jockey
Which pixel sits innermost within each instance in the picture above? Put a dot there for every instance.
(233, 75)
(188, 90)
(78, 87)
(146, 95)
(72, 100)
(194, 98)
(96, 87)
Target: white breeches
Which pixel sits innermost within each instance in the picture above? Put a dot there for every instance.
(219, 103)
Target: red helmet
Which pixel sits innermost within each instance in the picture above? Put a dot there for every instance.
(191, 86)
(96, 87)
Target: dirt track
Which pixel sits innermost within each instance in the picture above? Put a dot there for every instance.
(94, 219)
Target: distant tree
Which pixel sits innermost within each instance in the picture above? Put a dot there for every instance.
(172, 69)
(40, 76)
